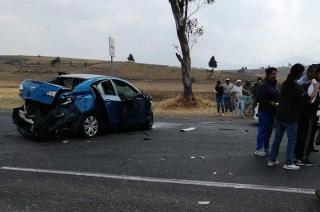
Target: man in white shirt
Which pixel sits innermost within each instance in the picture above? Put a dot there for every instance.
(239, 103)
(227, 86)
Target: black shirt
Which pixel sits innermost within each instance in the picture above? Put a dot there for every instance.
(292, 96)
(219, 90)
(266, 95)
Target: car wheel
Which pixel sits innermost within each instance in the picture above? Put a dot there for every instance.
(89, 126)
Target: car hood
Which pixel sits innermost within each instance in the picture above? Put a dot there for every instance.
(40, 91)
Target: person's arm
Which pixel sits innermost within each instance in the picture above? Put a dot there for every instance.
(313, 89)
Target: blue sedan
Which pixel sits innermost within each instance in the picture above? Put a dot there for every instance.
(83, 103)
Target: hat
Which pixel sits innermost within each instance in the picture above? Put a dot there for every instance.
(227, 79)
(238, 80)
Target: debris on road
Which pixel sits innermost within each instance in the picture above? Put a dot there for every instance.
(88, 141)
(203, 202)
(202, 157)
(245, 131)
(192, 157)
(162, 158)
(230, 173)
(214, 173)
(188, 129)
(65, 141)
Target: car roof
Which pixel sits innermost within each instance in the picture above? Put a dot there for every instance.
(85, 76)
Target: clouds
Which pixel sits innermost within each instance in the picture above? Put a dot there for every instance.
(237, 32)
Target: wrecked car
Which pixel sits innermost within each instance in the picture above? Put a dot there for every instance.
(80, 103)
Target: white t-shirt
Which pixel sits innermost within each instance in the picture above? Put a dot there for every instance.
(311, 88)
(238, 91)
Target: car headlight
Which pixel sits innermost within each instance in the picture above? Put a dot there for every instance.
(51, 93)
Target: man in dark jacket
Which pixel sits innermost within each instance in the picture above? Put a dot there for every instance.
(292, 96)
(267, 96)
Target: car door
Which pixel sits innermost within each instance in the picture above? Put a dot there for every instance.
(112, 103)
(133, 104)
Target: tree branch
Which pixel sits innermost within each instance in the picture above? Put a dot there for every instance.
(179, 58)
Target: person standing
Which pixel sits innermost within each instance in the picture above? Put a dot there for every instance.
(254, 93)
(218, 90)
(307, 123)
(267, 96)
(227, 86)
(289, 109)
(239, 103)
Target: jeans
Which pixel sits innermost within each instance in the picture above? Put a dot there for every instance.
(220, 104)
(291, 129)
(239, 104)
(266, 122)
(227, 104)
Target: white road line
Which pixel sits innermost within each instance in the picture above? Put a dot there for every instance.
(173, 181)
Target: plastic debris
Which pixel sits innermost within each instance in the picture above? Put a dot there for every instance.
(244, 131)
(65, 141)
(188, 129)
(203, 202)
(192, 157)
(162, 158)
(202, 157)
(230, 173)
(88, 141)
(214, 173)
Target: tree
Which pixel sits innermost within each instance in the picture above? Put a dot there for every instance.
(212, 64)
(188, 32)
(131, 58)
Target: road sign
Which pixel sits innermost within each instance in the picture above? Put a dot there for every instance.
(111, 47)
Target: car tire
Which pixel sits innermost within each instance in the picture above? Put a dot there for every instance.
(89, 126)
(149, 124)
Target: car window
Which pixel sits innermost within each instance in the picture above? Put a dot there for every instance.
(108, 88)
(125, 90)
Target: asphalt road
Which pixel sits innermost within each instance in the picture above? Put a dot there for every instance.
(211, 168)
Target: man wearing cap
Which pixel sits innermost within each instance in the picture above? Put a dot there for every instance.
(239, 103)
(267, 96)
(227, 86)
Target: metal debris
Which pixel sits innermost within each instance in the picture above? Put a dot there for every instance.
(188, 129)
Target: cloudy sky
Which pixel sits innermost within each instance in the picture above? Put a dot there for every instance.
(238, 32)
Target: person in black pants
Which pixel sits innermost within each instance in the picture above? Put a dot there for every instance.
(308, 119)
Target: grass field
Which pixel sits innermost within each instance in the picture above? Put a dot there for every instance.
(161, 82)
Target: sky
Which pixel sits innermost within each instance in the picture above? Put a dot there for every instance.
(251, 33)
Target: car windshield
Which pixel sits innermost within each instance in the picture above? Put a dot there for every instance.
(70, 83)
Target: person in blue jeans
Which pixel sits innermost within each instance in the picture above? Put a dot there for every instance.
(267, 96)
(219, 91)
(291, 97)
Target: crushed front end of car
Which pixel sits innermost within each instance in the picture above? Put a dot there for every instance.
(47, 111)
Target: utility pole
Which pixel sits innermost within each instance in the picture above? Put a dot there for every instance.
(112, 54)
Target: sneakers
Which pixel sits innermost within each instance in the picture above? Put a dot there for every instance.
(260, 153)
(298, 162)
(291, 167)
(307, 162)
(273, 163)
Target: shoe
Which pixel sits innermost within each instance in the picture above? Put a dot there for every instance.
(260, 153)
(291, 167)
(273, 163)
(298, 162)
(307, 162)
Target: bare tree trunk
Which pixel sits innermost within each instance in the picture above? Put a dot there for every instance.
(185, 60)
